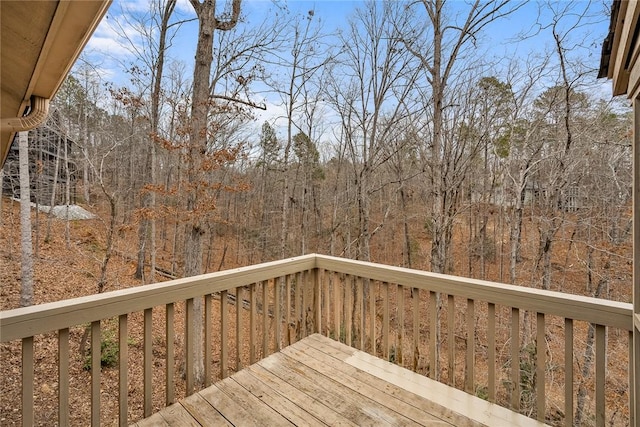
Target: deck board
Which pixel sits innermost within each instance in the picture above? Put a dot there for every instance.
(280, 403)
(385, 395)
(202, 411)
(310, 404)
(323, 389)
(321, 382)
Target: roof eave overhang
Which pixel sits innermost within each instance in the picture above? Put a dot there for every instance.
(621, 49)
(71, 24)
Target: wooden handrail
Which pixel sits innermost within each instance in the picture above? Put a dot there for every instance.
(593, 310)
(38, 319)
(29, 321)
(323, 301)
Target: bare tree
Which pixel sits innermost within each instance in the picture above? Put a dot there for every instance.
(26, 282)
(300, 61)
(562, 106)
(441, 46)
(157, 31)
(451, 41)
(198, 136)
(370, 91)
(54, 185)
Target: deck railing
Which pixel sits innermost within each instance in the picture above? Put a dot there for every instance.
(466, 333)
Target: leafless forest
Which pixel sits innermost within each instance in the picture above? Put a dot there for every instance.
(401, 139)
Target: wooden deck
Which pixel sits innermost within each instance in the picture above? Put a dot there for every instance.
(320, 382)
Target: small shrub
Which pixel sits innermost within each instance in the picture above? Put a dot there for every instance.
(482, 392)
(392, 354)
(483, 247)
(109, 352)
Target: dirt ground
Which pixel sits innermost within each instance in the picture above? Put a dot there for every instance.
(69, 268)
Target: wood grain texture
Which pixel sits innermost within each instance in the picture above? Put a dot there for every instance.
(321, 382)
(29, 321)
(593, 310)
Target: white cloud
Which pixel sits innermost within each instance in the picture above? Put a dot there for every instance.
(184, 6)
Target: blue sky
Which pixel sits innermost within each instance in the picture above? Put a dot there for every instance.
(110, 53)
(333, 14)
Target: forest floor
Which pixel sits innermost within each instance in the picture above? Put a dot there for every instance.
(69, 267)
(63, 269)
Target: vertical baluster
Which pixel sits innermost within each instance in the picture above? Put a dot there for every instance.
(208, 338)
(123, 367)
(27, 382)
(304, 288)
(239, 297)
(148, 362)
(515, 359)
(491, 342)
(265, 318)
(433, 339)
(63, 377)
(288, 307)
(317, 299)
(189, 345)
(297, 302)
(336, 285)
(348, 289)
(224, 334)
(372, 318)
(385, 321)
(601, 368)
(326, 300)
(394, 335)
(632, 397)
(568, 372)
(170, 363)
(415, 299)
(541, 362)
(252, 324)
(451, 326)
(471, 346)
(277, 316)
(348, 293)
(401, 334)
(360, 304)
(96, 351)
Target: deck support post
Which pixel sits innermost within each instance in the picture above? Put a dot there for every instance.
(634, 388)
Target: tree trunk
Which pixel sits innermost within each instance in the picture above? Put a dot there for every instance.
(364, 236)
(26, 287)
(515, 232)
(67, 228)
(149, 227)
(198, 133)
(1, 193)
(142, 242)
(102, 281)
(52, 203)
(587, 361)
(405, 227)
(152, 206)
(38, 188)
(85, 174)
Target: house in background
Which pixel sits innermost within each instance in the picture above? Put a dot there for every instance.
(51, 169)
(40, 42)
(319, 281)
